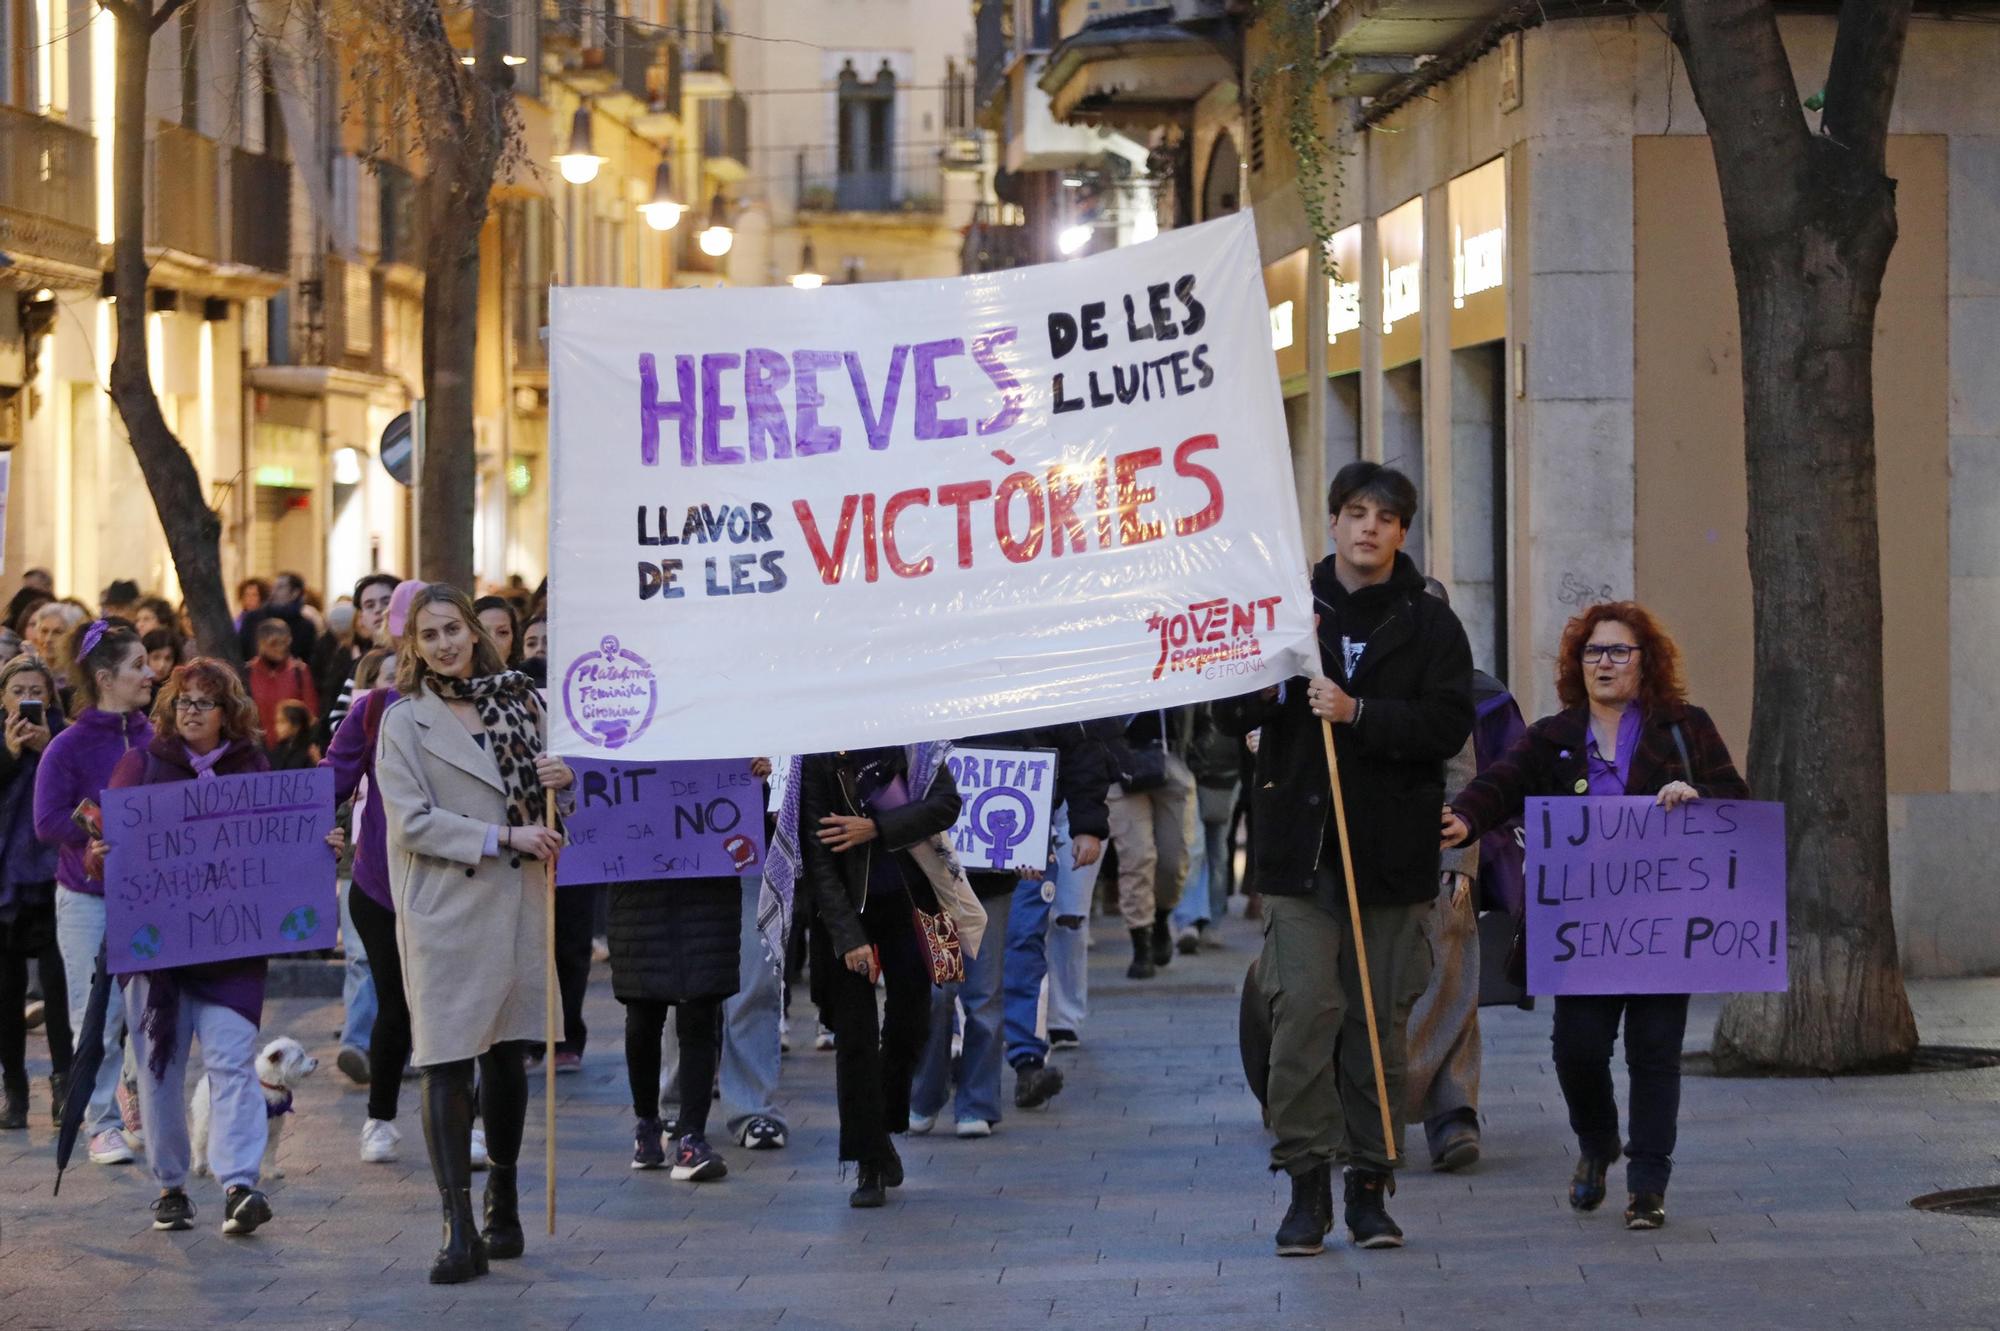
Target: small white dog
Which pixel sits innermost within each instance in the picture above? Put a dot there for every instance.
(280, 1068)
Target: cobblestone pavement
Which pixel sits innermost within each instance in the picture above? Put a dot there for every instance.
(1139, 1199)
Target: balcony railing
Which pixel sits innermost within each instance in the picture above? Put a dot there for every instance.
(643, 65)
(703, 25)
(181, 202)
(260, 211)
(48, 169)
(725, 129)
(911, 181)
(401, 232)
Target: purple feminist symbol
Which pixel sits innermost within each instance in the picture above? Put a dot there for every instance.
(1001, 829)
(609, 694)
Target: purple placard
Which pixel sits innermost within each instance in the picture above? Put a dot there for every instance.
(1625, 897)
(640, 820)
(216, 870)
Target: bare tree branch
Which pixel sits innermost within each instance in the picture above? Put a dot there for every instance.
(119, 9)
(166, 11)
(1743, 83)
(1861, 82)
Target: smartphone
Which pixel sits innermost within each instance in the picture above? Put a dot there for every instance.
(89, 818)
(31, 711)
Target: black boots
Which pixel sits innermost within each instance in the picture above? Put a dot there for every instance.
(1303, 1231)
(1368, 1222)
(1163, 940)
(869, 1188)
(1142, 955)
(447, 1117)
(502, 1234)
(14, 1103)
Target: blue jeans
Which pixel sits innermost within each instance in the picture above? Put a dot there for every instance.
(1206, 899)
(750, 1053)
(979, 1066)
(1068, 954)
(79, 935)
(357, 984)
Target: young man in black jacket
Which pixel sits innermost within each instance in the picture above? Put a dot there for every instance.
(1398, 689)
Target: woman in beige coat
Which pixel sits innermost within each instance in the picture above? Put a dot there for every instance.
(461, 767)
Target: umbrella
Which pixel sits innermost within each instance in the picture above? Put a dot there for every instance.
(83, 1067)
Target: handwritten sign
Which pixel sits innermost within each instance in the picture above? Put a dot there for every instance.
(216, 870)
(1003, 820)
(1625, 897)
(638, 820)
(1042, 495)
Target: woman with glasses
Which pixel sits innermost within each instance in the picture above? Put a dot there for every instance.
(1626, 729)
(204, 728)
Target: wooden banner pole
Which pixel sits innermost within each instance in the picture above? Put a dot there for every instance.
(1360, 944)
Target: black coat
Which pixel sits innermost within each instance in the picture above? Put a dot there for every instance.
(838, 882)
(1415, 683)
(675, 939)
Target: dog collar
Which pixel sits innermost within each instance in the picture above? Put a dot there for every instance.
(279, 1107)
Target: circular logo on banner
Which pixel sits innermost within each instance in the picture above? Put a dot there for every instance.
(609, 695)
(302, 923)
(146, 943)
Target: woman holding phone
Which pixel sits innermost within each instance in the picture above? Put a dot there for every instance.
(461, 766)
(1626, 729)
(27, 892)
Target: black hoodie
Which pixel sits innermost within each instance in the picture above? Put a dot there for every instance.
(1413, 675)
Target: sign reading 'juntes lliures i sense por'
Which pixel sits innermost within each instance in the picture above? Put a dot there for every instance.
(877, 513)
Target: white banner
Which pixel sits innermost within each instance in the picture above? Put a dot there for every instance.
(801, 521)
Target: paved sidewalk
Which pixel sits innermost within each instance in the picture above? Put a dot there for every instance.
(1138, 1200)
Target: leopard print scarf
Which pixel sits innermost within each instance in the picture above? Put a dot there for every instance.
(511, 711)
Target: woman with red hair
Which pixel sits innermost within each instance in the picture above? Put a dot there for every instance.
(1626, 728)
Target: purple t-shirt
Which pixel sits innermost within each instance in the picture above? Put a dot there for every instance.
(1608, 778)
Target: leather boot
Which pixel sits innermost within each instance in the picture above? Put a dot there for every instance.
(447, 1119)
(1142, 955)
(503, 1236)
(1163, 940)
(14, 1102)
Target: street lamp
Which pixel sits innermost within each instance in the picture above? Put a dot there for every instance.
(663, 212)
(808, 278)
(717, 239)
(578, 163)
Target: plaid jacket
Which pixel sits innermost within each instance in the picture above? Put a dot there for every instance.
(1549, 760)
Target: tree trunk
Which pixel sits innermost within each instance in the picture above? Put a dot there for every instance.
(1811, 220)
(193, 531)
(451, 323)
(466, 134)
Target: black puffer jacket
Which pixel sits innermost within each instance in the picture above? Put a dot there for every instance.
(1415, 683)
(674, 939)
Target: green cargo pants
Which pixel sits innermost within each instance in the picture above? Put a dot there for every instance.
(1321, 1102)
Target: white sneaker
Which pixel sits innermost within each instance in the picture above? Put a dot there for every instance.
(600, 950)
(379, 1139)
(974, 1127)
(823, 1039)
(108, 1148)
(921, 1124)
(480, 1160)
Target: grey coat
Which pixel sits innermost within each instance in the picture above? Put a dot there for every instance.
(470, 927)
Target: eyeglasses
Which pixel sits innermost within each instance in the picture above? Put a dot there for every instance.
(199, 706)
(1619, 653)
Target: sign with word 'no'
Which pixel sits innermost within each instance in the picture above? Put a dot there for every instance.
(1006, 799)
(877, 513)
(1625, 897)
(637, 820)
(218, 870)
